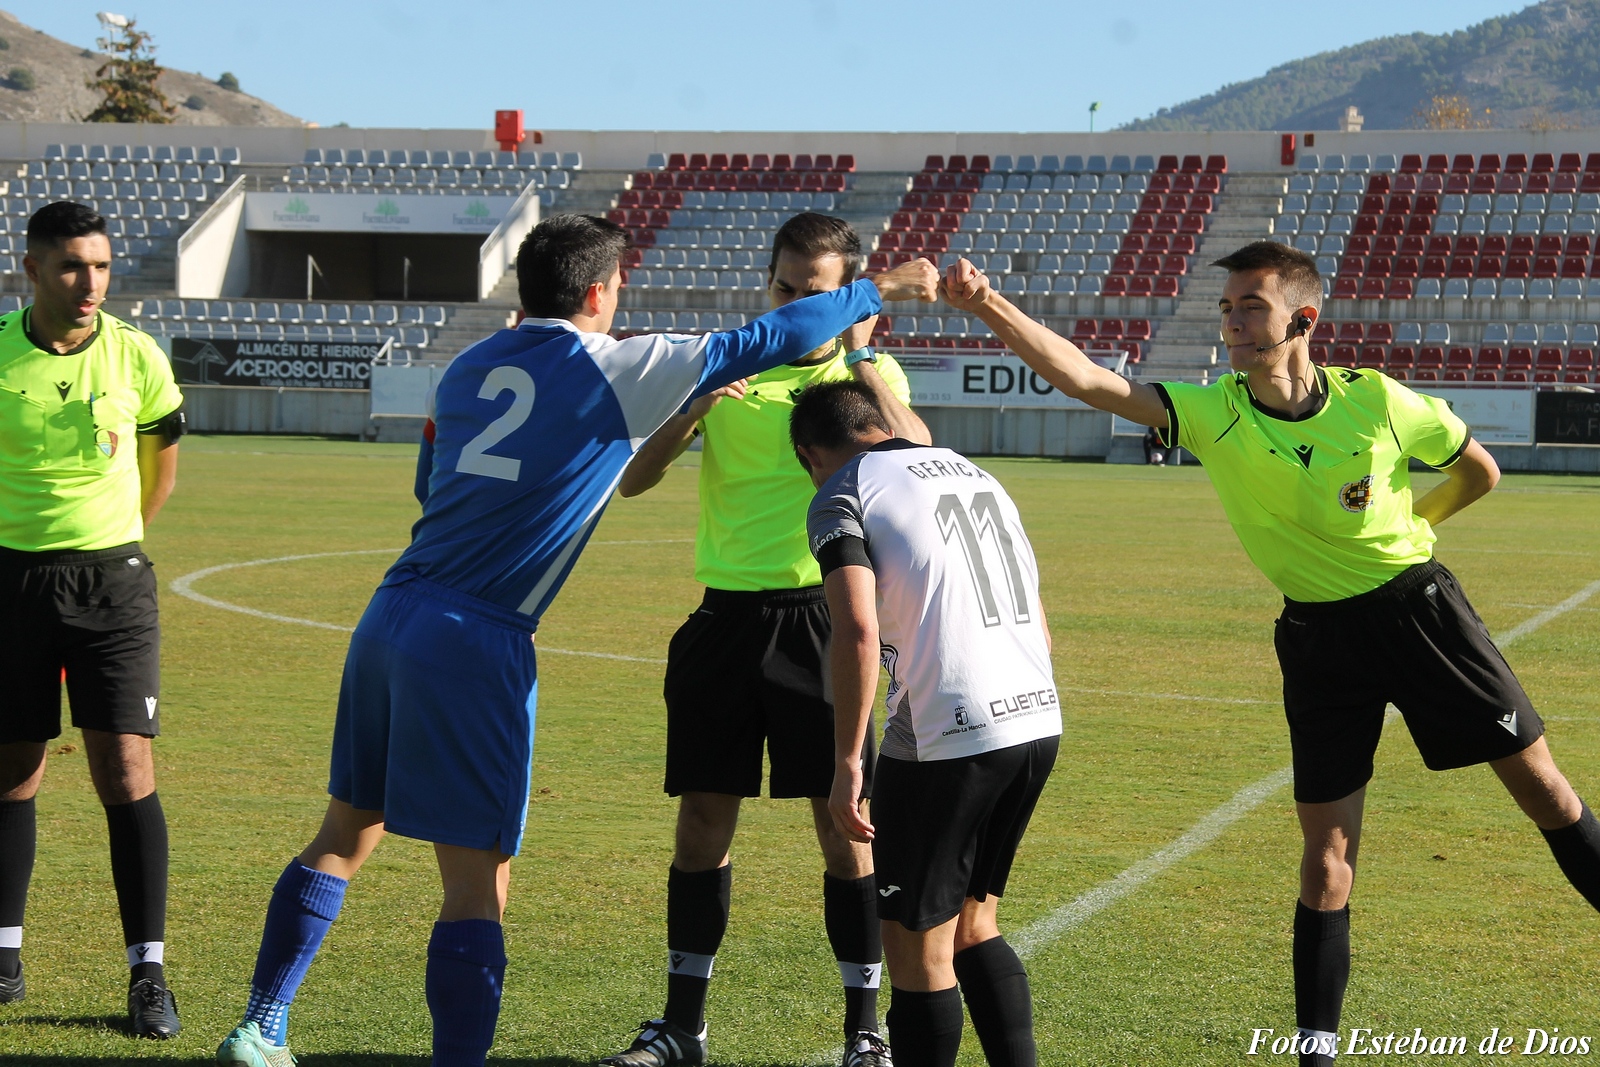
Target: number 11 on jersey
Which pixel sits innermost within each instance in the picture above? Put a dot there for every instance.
(969, 525)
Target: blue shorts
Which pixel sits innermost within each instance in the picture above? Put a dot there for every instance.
(436, 713)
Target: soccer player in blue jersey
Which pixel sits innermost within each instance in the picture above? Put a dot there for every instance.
(433, 739)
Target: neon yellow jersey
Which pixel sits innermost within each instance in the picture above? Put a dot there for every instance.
(69, 424)
(1322, 504)
(753, 492)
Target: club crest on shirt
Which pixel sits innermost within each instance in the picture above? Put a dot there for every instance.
(1356, 496)
(106, 442)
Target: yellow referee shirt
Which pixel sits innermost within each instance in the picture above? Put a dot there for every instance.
(753, 492)
(69, 470)
(1322, 504)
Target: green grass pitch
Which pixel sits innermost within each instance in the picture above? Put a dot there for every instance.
(1461, 921)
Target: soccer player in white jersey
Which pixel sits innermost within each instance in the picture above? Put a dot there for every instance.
(927, 568)
(433, 738)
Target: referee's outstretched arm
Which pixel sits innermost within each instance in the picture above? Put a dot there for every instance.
(1056, 359)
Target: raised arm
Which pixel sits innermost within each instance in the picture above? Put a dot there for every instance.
(785, 334)
(853, 657)
(903, 422)
(1055, 359)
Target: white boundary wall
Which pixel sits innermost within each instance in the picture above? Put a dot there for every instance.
(213, 255)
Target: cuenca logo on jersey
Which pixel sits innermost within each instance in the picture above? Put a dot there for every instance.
(1356, 496)
(1029, 703)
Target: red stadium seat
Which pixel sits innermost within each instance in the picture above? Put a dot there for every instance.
(1143, 223)
(1406, 267)
(1167, 165)
(1580, 359)
(1166, 285)
(933, 164)
(782, 161)
(1379, 267)
(922, 182)
(1570, 163)
(698, 161)
(1433, 266)
(677, 161)
(1590, 183)
(955, 165)
(1543, 163)
(1462, 358)
(980, 165)
(913, 242)
(844, 164)
(1324, 333)
(1372, 356)
(1360, 245)
(1161, 183)
(1489, 163)
(1175, 265)
(1176, 203)
(1509, 183)
(1166, 224)
(1538, 183)
(1574, 266)
(1491, 267)
(1403, 357)
(1546, 267)
(889, 242)
(1343, 356)
(1432, 357)
(1485, 376)
(1462, 164)
(1564, 183)
(1393, 225)
(618, 216)
(1373, 204)
(1372, 289)
(1110, 330)
(1438, 163)
(1208, 183)
(1184, 244)
(1183, 183)
(1495, 245)
(1410, 164)
(803, 162)
(1548, 359)
(1463, 267)
(1200, 204)
(1116, 285)
(1488, 359)
(1483, 183)
(1458, 184)
(1517, 163)
(718, 161)
(1216, 164)
(1137, 330)
(1150, 203)
(1345, 289)
(1193, 224)
(1515, 376)
(1085, 330)
(1134, 242)
(822, 162)
(1124, 264)
(1148, 264)
(1192, 165)
(1438, 246)
(1378, 185)
(1519, 359)
(1578, 245)
(1319, 354)
(1401, 289)
(760, 161)
(1380, 333)
(1518, 267)
(1426, 204)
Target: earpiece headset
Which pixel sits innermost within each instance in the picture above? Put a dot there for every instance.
(1302, 323)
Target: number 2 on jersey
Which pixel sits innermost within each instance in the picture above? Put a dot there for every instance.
(475, 458)
(984, 518)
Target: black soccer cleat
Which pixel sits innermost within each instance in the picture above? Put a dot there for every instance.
(661, 1044)
(12, 989)
(152, 1010)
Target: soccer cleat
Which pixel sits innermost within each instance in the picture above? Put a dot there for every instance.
(152, 1010)
(245, 1047)
(867, 1049)
(661, 1044)
(12, 989)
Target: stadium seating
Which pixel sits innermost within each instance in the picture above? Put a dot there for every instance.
(409, 325)
(1514, 353)
(422, 171)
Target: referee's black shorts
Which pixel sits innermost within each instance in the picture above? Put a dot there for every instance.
(92, 613)
(745, 672)
(1414, 642)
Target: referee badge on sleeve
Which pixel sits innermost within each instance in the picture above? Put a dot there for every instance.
(106, 442)
(1356, 496)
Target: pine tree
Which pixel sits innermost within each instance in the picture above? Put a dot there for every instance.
(127, 79)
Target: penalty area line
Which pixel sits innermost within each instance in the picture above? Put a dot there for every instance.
(1041, 933)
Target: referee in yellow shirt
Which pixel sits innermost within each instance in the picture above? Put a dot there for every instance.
(1312, 467)
(745, 671)
(89, 424)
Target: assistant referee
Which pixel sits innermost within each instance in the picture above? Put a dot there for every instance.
(89, 423)
(1312, 468)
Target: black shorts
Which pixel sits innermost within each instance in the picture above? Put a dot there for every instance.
(1414, 642)
(92, 613)
(948, 829)
(745, 671)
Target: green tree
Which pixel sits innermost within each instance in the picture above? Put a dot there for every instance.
(127, 79)
(229, 82)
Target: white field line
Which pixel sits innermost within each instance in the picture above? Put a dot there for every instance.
(1042, 932)
(184, 587)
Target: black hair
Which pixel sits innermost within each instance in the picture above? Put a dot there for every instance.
(810, 235)
(834, 415)
(62, 221)
(1298, 277)
(561, 258)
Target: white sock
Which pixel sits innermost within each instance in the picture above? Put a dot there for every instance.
(145, 952)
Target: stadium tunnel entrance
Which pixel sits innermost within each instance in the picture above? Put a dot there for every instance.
(364, 266)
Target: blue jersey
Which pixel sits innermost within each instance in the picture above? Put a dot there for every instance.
(532, 428)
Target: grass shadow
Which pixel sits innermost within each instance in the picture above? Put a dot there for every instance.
(360, 1059)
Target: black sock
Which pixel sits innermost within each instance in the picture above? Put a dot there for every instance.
(1321, 971)
(18, 842)
(697, 917)
(925, 1028)
(1577, 851)
(139, 871)
(850, 911)
(995, 986)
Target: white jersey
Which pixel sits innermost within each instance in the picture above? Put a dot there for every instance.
(958, 599)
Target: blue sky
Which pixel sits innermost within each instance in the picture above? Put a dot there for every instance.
(704, 64)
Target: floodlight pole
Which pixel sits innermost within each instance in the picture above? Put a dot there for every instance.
(405, 278)
(1093, 107)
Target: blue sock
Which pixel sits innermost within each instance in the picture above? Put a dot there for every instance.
(304, 904)
(466, 967)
